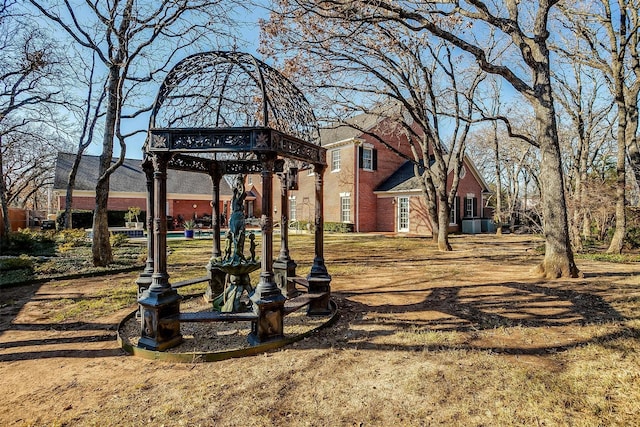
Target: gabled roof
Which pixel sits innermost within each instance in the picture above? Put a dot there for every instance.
(357, 125)
(130, 178)
(343, 132)
(403, 179)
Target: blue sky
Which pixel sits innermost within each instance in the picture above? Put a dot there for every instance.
(250, 33)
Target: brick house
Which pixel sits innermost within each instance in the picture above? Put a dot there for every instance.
(189, 193)
(372, 188)
(366, 185)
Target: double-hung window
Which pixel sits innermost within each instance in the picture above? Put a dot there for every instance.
(335, 160)
(345, 207)
(292, 208)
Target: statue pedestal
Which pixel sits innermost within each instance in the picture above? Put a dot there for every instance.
(282, 270)
(319, 307)
(269, 325)
(160, 327)
(268, 304)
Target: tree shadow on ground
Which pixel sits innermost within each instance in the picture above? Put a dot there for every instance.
(473, 309)
(16, 337)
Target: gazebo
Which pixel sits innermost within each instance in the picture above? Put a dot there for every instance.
(222, 113)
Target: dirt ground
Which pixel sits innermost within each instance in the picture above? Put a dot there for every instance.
(364, 370)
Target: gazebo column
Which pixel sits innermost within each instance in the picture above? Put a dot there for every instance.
(268, 301)
(319, 279)
(160, 327)
(284, 267)
(216, 276)
(144, 280)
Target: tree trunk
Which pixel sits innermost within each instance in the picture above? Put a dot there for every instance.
(429, 195)
(101, 247)
(615, 247)
(3, 198)
(443, 224)
(617, 241)
(558, 259)
(68, 200)
(498, 213)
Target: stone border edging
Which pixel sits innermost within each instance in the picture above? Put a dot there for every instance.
(216, 356)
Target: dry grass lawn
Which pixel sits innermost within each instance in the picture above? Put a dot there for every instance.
(466, 338)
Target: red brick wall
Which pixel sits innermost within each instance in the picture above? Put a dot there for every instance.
(468, 185)
(337, 182)
(305, 196)
(388, 162)
(115, 203)
(386, 214)
(419, 222)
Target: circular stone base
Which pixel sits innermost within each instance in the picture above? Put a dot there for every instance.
(214, 341)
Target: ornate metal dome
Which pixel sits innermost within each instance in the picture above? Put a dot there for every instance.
(232, 90)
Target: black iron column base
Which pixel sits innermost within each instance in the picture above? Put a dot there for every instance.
(143, 282)
(269, 325)
(160, 327)
(319, 284)
(282, 270)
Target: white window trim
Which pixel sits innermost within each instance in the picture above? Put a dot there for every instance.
(453, 213)
(370, 150)
(470, 210)
(333, 152)
(344, 196)
(293, 207)
(400, 229)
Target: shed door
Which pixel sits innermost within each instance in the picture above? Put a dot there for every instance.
(403, 214)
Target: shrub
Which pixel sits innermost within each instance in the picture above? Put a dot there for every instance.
(118, 239)
(338, 227)
(632, 238)
(15, 269)
(28, 242)
(16, 263)
(73, 238)
(300, 225)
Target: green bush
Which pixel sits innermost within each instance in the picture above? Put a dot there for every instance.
(632, 238)
(16, 263)
(300, 225)
(73, 238)
(16, 269)
(338, 227)
(118, 239)
(28, 242)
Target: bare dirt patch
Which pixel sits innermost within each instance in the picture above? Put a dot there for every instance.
(461, 338)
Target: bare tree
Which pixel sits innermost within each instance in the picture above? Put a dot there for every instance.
(135, 41)
(523, 27)
(579, 93)
(88, 113)
(611, 36)
(383, 70)
(29, 68)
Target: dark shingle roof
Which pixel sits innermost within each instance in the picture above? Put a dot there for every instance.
(344, 132)
(403, 179)
(130, 178)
